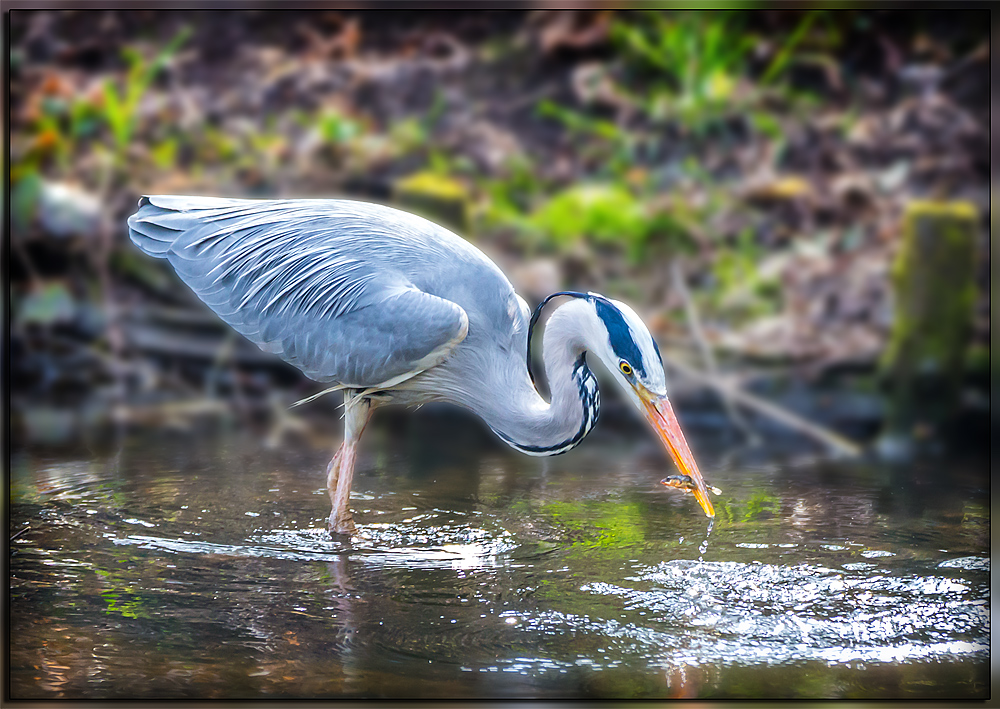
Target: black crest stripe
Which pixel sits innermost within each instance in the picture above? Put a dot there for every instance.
(620, 333)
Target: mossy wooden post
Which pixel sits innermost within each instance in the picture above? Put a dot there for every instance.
(436, 197)
(933, 281)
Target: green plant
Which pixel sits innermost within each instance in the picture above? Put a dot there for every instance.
(699, 63)
(121, 105)
(508, 199)
(580, 123)
(337, 128)
(699, 57)
(604, 142)
(602, 213)
(784, 55)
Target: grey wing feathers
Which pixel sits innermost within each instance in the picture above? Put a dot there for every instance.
(310, 280)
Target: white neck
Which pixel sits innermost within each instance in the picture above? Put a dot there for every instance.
(511, 405)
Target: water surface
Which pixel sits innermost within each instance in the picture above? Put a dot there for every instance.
(198, 565)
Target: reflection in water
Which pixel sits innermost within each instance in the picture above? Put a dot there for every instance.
(205, 570)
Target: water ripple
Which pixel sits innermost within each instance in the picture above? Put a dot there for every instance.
(756, 612)
(414, 544)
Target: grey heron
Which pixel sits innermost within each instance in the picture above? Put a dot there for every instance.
(392, 308)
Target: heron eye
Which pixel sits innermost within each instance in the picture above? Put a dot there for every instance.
(626, 368)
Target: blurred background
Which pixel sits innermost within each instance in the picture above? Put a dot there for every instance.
(796, 201)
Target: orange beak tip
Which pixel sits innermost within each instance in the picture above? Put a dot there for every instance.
(664, 421)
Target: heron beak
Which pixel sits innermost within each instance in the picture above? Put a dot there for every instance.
(660, 415)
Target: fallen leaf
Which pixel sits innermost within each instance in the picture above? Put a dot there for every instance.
(779, 189)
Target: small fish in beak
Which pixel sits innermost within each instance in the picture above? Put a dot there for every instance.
(661, 416)
(684, 482)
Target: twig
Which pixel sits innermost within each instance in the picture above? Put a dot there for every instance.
(19, 532)
(101, 260)
(820, 433)
(707, 356)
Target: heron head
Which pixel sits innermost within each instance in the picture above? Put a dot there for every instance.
(623, 342)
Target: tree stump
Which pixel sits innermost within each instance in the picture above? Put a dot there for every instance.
(934, 289)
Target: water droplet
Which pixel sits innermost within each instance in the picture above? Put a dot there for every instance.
(703, 547)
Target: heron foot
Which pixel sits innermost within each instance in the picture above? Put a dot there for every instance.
(341, 525)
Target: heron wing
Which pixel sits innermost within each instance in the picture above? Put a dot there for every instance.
(312, 281)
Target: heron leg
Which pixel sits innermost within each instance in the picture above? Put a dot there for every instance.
(340, 471)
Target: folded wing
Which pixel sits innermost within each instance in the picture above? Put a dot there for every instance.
(312, 281)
